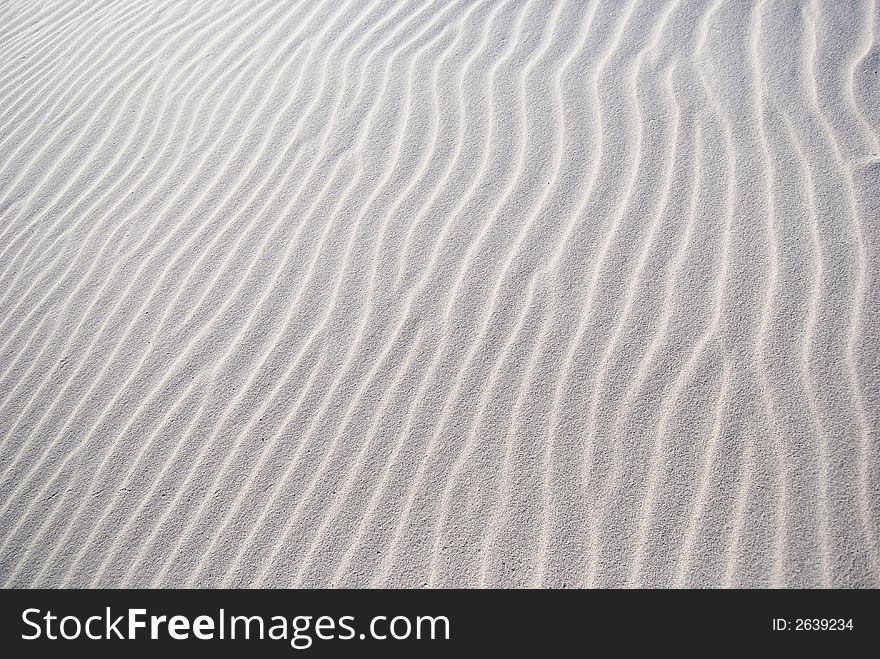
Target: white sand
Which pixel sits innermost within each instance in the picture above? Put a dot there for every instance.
(509, 293)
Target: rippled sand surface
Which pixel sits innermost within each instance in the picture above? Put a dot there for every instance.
(437, 292)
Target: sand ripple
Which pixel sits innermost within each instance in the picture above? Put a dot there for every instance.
(444, 292)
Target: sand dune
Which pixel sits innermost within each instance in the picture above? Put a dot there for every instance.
(445, 293)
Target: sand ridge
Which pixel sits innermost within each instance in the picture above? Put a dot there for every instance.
(439, 293)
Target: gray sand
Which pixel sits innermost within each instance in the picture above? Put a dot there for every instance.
(437, 292)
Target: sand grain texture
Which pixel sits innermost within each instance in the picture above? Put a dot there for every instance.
(446, 293)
